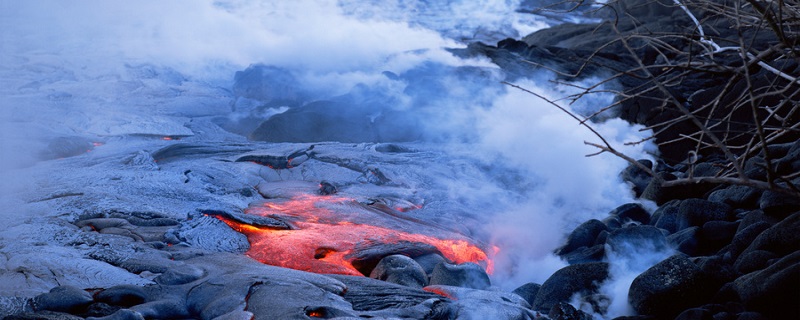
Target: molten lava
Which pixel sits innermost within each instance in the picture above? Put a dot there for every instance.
(329, 231)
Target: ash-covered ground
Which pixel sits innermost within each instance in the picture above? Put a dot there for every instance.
(132, 132)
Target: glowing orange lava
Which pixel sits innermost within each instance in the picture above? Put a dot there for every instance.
(329, 230)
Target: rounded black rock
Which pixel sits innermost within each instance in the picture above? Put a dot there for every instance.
(400, 269)
(67, 299)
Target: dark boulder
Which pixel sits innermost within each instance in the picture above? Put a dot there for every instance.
(773, 290)
(586, 254)
(564, 283)
(583, 236)
(402, 270)
(467, 275)
(669, 287)
(638, 178)
(737, 196)
(565, 311)
(631, 212)
(122, 295)
(717, 234)
(696, 212)
(429, 261)
(528, 291)
(686, 241)
(63, 299)
(778, 204)
(744, 237)
(754, 260)
(782, 238)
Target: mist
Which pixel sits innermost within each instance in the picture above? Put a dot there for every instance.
(86, 59)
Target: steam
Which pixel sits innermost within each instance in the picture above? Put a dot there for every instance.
(87, 49)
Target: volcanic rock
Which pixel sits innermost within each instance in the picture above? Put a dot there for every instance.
(778, 204)
(586, 254)
(467, 275)
(122, 295)
(632, 240)
(565, 311)
(583, 236)
(737, 196)
(637, 177)
(686, 241)
(483, 304)
(773, 290)
(528, 291)
(402, 270)
(567, 281)
(782, 238)
(631, 212)
(669, 287)
(429, 261)
(63, 299)
(366, 294)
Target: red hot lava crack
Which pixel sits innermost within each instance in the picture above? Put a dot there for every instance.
(327, 230)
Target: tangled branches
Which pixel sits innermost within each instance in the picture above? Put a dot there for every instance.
(717, 80)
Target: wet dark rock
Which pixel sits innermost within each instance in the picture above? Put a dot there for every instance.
(612, 222)
(632, 212)
(666, 216)
(737, 196)
(686, 241)
(429, 261)
(773, 290)
(467, 275)
(528, 291)
(778, 204)
(753, 260)
(585, 254)
(680, 214)
(634, 239)
(743, 238)
(637, 177)
(782, 238)
(402, 270)
(583, 236)
(717, 268)
(63, 299)
(565, 311)
(669, 287)
(122, 295)
(717, 234)
(696, 212)
(658, 193)
(564, 283)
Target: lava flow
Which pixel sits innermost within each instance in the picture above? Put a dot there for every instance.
(330, 233)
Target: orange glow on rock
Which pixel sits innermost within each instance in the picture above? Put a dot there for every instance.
(328, 231)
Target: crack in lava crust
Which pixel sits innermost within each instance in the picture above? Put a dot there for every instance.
(329, 232)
